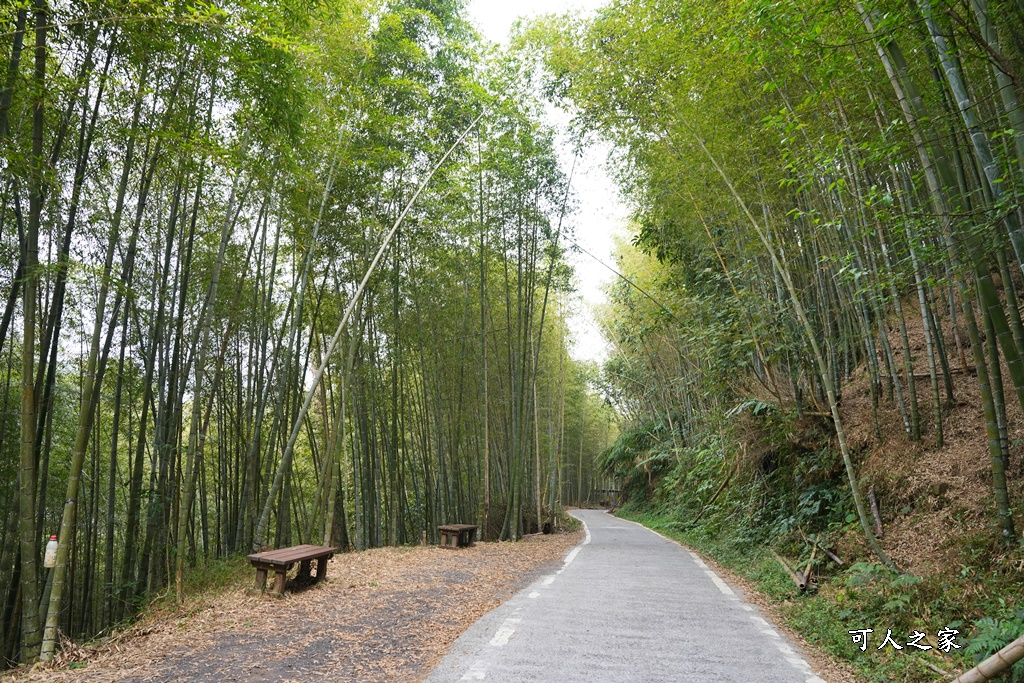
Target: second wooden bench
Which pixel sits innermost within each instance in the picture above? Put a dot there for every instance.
(458, 535)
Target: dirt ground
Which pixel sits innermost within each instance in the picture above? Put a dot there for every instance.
(931, 497)
(381, 615)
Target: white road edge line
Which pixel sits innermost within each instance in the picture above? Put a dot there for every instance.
(576, 551)
(797, 662)
(722, 585)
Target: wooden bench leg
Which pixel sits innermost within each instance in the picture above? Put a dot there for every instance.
(321, 568)
(261, 578)
(279, 582)
(303, 570)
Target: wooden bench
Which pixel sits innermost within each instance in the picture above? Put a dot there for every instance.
(458, 535)
(280, 561)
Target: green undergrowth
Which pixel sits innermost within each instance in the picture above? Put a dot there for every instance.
(861, 595)
(203, 581)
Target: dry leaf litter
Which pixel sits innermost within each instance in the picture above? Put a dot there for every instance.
(382, 615)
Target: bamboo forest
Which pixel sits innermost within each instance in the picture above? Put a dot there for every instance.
(285, 273)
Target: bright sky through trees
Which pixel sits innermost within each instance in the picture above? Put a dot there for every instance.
(601, 210)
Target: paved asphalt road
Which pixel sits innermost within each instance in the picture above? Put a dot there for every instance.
(627, 605)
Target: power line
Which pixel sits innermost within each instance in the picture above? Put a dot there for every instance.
(627, 281)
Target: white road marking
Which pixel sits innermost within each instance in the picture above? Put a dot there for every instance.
(477, 672)
(760, 621)
(747, 607)
(504, 632)
(814, 679)
(548, 580)
(533, 594)
(721, 584)
(797, 662)
(770, 632)
(785, 649)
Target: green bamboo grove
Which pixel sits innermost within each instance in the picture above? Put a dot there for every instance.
(273, 273)
(815, 184)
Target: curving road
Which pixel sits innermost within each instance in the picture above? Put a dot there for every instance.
(627, 605)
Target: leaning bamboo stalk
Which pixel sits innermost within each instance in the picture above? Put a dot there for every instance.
(286, 457)
(810, 563)
(835, 558)
(707, 505)
(874, 511)
(994, 665)
(819, 358)
(797, 579)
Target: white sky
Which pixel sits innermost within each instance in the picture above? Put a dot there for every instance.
(601, 210)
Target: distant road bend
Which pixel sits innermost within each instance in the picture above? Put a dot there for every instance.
(627, 605)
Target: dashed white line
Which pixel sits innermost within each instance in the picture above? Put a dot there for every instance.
(548, 580)
(504, 632)
(533, 594)
(477, 672)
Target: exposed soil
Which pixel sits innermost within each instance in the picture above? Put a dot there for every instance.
(931, 498)
(381, 615)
